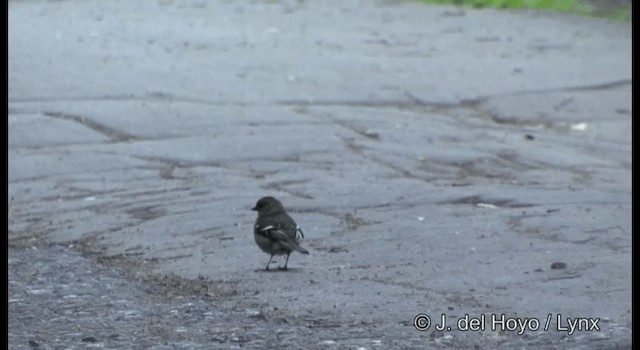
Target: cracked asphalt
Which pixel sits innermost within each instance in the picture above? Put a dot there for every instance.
(442, 161)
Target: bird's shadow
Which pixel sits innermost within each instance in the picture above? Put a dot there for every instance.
(278, 269)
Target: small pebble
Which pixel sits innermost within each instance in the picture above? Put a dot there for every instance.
(558, 265)
(89, 339)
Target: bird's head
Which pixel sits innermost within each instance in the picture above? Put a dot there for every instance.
(266, 205)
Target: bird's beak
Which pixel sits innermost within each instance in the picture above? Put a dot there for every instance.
(254, 208)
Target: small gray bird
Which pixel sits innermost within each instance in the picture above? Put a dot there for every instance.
(275, 231)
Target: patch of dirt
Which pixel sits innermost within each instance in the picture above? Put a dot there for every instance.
(609, 7)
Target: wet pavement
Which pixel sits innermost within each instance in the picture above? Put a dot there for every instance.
(454, 163)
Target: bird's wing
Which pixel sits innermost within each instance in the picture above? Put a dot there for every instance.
(274, 233)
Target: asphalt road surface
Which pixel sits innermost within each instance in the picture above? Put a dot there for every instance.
(468, 166)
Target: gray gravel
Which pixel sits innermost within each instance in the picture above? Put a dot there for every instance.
(441, 161)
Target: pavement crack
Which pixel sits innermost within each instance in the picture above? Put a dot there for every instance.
(281, 186)
(146, 213)
(389, 282)
(115, 135)
(389, 165)
(354, 222)
(350, 103)
(474, 102)
(169, 165)
(370, 134)
(179, 163)
(414, 101)
(358, 150)
(480, 201)
(152, 97)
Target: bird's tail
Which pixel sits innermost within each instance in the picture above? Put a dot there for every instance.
(300, 249)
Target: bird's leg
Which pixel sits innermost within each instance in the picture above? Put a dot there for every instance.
(267, 268)
(286, 262)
